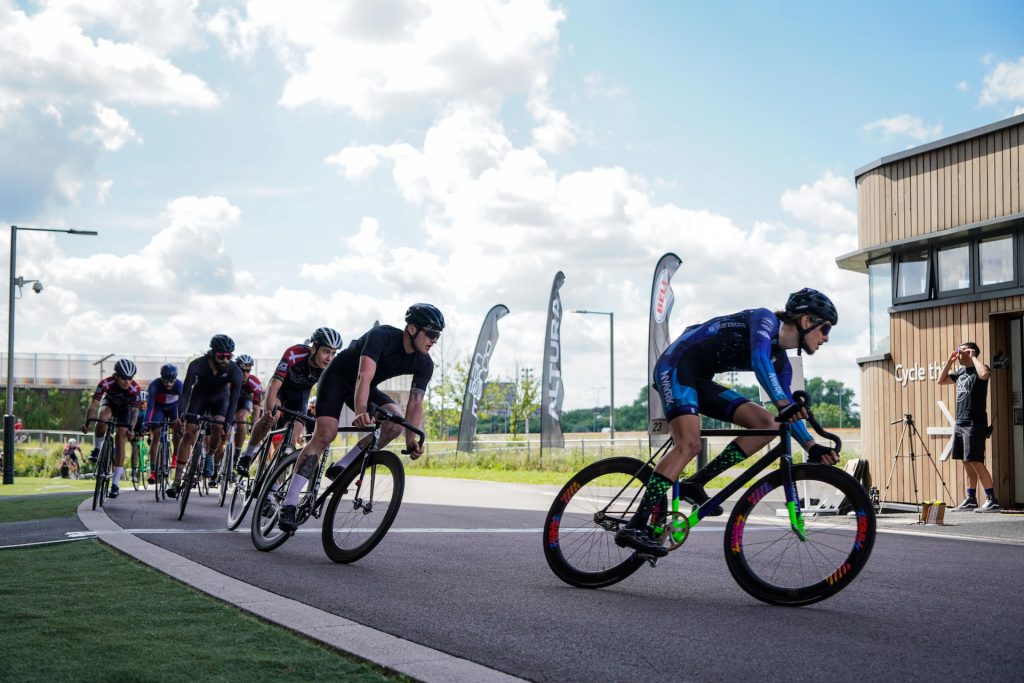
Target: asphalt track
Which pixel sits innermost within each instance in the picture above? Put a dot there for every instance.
(472, 582)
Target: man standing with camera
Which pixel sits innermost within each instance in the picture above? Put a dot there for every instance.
(971, 428)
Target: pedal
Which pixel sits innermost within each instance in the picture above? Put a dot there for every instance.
(650, 559)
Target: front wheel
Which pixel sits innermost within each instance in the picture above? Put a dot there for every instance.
(227, 463)
(354, 524)
(102, 477)
(579, 531)
(191, 478)
(770, 561)
(267, 504)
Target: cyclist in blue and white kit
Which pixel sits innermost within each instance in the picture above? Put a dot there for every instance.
(164, 396)
(757, 340)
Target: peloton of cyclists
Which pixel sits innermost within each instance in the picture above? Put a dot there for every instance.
(300, 368)
(212, 384)
(351, 379)
(116, 398)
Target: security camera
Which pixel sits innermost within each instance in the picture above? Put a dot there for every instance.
(37, 286)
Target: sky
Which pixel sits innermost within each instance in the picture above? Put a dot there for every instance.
(263, 168)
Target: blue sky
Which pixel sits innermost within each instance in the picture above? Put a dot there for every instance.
(262, 169)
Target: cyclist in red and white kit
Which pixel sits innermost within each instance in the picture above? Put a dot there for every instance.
(298, 371)
(116, 398)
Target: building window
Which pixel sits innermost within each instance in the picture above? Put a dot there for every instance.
(995, 261)
(912, 276)
(880, 298)
(954, 268)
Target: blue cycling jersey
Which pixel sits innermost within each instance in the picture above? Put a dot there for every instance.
(743, 341)
(163, 399)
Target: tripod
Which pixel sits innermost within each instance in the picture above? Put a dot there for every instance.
(909, 426)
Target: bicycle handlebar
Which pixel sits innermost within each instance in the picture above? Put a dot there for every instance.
(801, 399)
(306, 418)
(89, 420)
(382, 415)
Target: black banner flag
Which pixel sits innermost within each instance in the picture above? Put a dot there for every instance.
(552, 388)
(485, 344)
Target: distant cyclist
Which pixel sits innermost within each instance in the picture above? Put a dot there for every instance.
(139, 430)
(300, 368)
(212, 384)
(754, 339)
(352, 378)
(164, 398)
(116, 398)
(70, 457)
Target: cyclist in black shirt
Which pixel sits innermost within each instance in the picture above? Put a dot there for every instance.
(352, 378)
(212, 385)
(971, 428)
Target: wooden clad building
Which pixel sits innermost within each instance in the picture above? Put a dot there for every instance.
(941, 237)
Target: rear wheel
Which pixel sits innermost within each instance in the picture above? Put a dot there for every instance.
(136, 471)
(579, 531)
(268, 501)
(354, 524)
(768, 559)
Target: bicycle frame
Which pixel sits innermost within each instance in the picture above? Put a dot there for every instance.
(781, 452)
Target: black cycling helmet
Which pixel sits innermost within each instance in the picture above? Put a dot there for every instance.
(812, 302)
(222, 343)
(244, 360)
(425, 315)
(125, 368)
(169, 373)
(325, 336)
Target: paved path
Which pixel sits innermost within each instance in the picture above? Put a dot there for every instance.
(453, 585)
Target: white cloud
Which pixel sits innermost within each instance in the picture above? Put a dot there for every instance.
(905, 126)
(1005, 83)
(963, 86)
(376, 58)
(159, 27)
(597, 88)
(500, 222)
(111, 130)
(237, 35)
(829, 203)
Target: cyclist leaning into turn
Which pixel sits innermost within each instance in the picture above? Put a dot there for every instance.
(300, 368)
(116, 398)
(352, 378)
(212, 384)
(754, 339)
(249, 398)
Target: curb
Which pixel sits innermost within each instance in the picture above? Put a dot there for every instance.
(390, 652)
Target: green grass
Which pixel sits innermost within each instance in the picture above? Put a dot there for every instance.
(66, 621)
(30, 486)
(38, 507)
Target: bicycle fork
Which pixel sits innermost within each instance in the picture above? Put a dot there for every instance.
(796, 518)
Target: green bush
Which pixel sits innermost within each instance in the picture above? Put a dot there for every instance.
(38, 462)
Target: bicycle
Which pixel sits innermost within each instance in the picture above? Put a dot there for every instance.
(104, 461)
(193, 475)
(781, 548)
(226, 473)
(352, 528)
(248, 486)
(140, 461)
(160, 462)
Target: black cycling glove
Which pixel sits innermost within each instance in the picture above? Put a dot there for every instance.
(816, 452)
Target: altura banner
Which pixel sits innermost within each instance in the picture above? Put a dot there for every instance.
(485, 344)
(658, 337)
(552, 388)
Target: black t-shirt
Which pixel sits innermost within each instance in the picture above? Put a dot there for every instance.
(971, 392)
(383, 344)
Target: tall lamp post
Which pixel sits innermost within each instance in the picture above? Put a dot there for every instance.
(18, 282)
(611, 331)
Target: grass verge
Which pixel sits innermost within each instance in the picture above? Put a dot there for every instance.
(65, 622)
(30, 486)
(38, 507)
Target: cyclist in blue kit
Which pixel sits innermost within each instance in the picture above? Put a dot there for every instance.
(212, 384)
(164, 396)
(754, 339)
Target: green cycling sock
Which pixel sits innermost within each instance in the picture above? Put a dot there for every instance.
(731, 455)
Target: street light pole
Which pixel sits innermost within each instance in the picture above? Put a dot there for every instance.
(9, 410)
(611, 332)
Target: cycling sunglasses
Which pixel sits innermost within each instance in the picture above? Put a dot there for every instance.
(824, 327)
(223, 355)
(431, 334)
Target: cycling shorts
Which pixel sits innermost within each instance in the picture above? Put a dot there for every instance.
(687, 390)
(119, 412)
(216, 405)
(331, 396)
(164, 412)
